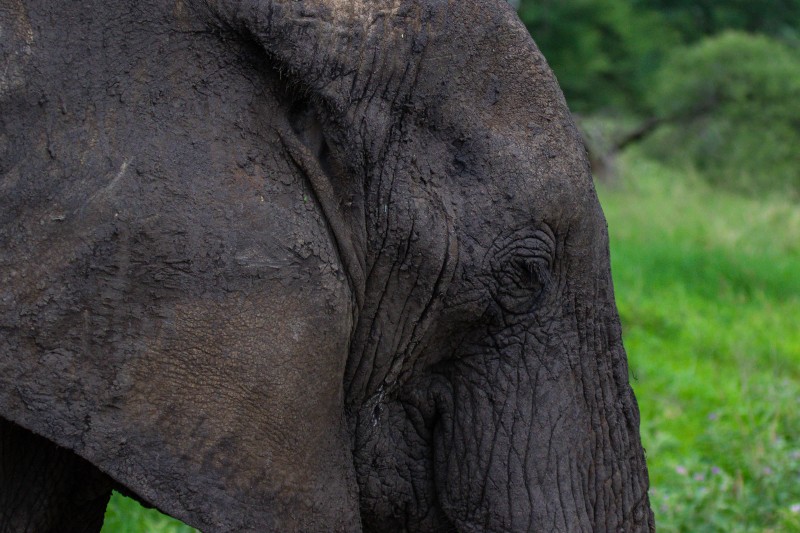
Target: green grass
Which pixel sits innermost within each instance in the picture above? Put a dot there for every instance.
(125, 515)
(708, 287)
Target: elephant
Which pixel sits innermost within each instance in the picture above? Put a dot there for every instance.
(303, 266)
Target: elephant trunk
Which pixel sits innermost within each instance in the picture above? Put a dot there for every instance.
(544, 437)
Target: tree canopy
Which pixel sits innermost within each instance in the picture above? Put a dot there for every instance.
(716, 82)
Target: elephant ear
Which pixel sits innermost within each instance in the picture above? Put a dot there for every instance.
(145, 342)
(338, 50)
(334, 57)
(308, 39)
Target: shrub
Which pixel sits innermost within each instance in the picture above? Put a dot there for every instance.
(731, 102)
(602, 51)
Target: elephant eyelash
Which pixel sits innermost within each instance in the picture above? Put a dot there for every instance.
(532, 270)
(521, 283)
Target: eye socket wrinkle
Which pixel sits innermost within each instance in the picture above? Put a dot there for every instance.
(518, 270)
(521, 283)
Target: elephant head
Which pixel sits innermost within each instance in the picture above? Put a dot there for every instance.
(313, 266)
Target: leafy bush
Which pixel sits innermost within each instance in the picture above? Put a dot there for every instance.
(603, 52)
(732, 104)
(695, 18)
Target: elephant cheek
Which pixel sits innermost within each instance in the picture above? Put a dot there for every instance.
(527, 445)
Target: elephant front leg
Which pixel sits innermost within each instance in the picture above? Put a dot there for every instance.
(45, 488)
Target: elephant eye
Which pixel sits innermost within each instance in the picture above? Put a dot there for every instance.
(518, 270)
(529, 273)
(522, 281)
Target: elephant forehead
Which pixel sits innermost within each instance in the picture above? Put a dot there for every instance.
(500, 129)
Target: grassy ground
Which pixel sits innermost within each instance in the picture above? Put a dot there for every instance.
(708, 287)
(126, 516)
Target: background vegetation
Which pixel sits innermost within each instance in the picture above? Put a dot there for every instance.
(708, 290)
(711, 84)
(691, 110)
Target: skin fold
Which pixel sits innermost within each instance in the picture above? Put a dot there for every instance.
(303, 266)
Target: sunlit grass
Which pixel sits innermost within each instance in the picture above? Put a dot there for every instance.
(125, 515)
(708, 287)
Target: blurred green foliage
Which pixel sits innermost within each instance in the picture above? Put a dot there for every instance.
(733, 104)
(721, 79)
(125, 515)
(697, 18)
(607, 52)
(603, 51)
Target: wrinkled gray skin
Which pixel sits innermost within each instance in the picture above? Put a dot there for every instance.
(303, 266)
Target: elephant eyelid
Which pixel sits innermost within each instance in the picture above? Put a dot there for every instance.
(520, 272)
(536, 269)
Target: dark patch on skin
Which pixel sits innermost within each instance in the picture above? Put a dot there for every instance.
(306, 266)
